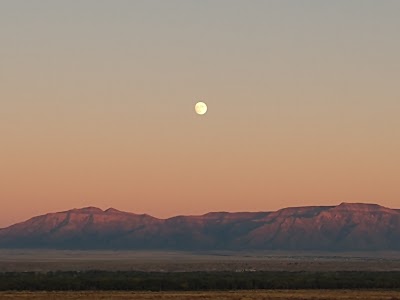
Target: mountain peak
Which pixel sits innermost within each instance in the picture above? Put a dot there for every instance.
(361, 207)
(87, 210)
(113, 211)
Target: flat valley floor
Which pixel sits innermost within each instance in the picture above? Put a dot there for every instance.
(174, 261)
(170, 261)
(236, 295)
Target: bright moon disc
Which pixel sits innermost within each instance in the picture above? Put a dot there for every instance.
(201, 108)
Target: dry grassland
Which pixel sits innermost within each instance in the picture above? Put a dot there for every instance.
(174, 261)
(242, 295)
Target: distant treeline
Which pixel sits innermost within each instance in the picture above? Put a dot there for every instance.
(196, 281)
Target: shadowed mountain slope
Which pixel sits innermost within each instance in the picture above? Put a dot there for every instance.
(346, 227)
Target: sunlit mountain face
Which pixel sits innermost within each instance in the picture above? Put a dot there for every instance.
(346, 227)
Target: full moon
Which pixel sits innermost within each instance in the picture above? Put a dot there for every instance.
(200, 108)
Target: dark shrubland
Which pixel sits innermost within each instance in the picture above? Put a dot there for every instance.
(196, 281)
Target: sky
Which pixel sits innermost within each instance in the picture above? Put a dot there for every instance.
(97, 105)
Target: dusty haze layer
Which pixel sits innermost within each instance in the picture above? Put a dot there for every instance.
(96, 105)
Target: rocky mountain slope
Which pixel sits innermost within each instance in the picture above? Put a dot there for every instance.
(346, 227)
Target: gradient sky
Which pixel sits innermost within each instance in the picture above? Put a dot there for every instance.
(97, 105)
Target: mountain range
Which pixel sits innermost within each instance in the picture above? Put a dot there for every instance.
(346, 227)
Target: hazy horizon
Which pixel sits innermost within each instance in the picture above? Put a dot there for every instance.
(97, 105)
